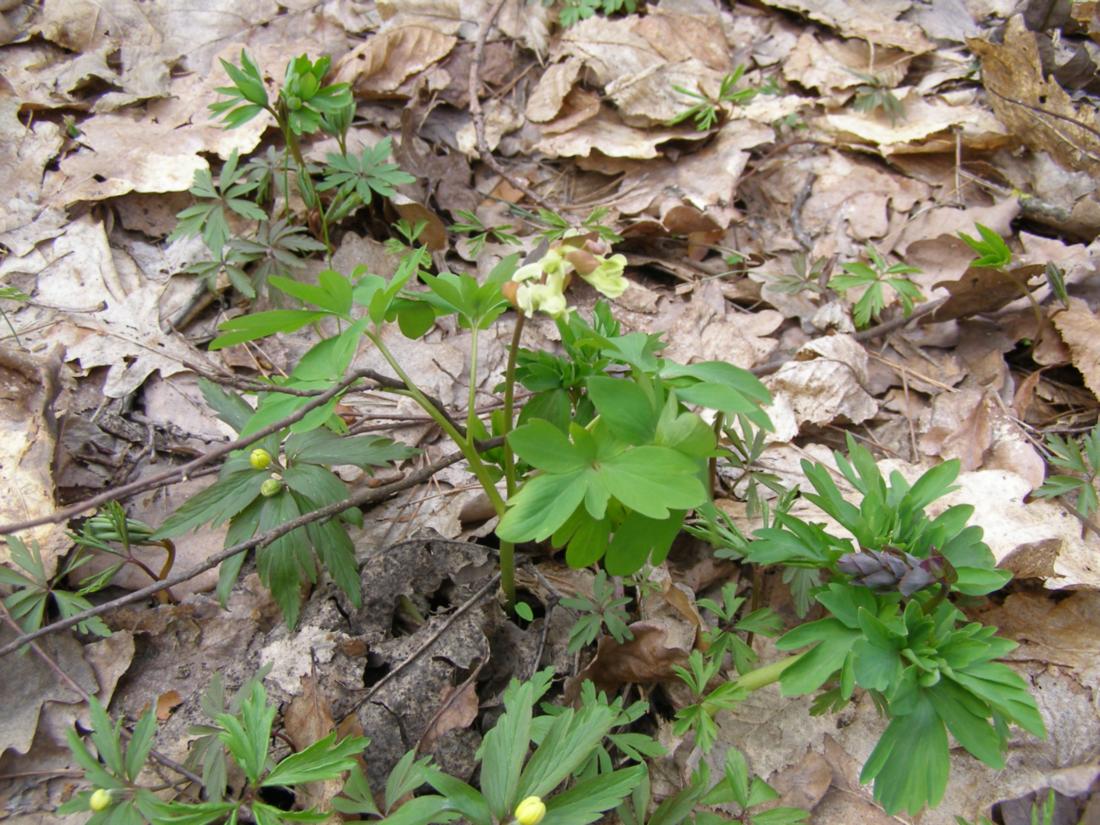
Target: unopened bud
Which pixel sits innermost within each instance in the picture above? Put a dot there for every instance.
(100, 800)
(530, 811)
(260, 459)
(271, 487)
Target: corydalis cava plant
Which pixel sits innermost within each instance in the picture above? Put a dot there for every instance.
(540, 286)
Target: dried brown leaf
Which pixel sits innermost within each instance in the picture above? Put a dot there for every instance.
(1033, 106)
(378, 67)
(1080, 329)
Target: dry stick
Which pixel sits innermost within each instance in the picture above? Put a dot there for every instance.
(183, 470)
(362, 497)
(427, 643)
(768, 367)
(48, 660)
(479, 117)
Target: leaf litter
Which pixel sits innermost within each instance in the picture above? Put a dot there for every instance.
(880, 130)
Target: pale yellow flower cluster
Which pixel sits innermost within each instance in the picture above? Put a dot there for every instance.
(542, 284)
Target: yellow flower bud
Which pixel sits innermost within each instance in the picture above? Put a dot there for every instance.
(530, 811)
(101, 800)
(260, 459)
(271, 487)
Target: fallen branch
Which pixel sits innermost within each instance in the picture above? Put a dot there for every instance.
(184, 470)
(360, 498)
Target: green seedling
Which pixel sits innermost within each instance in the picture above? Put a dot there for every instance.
(1080, 462)
(873, 278)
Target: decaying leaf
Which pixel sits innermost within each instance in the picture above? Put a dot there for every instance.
(1080, 329)
(381, 64)
(1032, 106)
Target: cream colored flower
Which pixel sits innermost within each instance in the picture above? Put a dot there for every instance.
(608, 278)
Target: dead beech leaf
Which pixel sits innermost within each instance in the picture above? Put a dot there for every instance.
(876, 22)
(824, 383)
(608, 135)
(459, 710)
(167, 702)
(28, 388)
(960, 428)
(1033, 106)
(379, 66)
(658, 644)
(1080, 329)
(308, 719)
(555, 84)
(981, 289)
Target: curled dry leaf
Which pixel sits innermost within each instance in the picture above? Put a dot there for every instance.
(380, 65)
(825, 383)
(1080, 329)
(658, 644)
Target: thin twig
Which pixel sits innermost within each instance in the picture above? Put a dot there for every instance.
(184, 470)
(360, 498)
(478, 116)
(431, 640)
(772, 365)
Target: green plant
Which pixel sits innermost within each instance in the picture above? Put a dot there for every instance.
(992, 251)
(1080, 461)
(706, 110)
(515, 778)
(348, 181)
(873, 278)
(723, 639)
(11, 293)
(110, 527)
(805, 276)
(602, 610)
(873, 94)
(244, 734)
(891, 628)
(255, 499)
(471, 225)
(573, 11)
(1042, 812)
(736, 787)
(34, 590)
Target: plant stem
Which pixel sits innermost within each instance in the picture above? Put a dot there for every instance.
(509, 400)
(764, 676)
(469, 451)
(471, 398)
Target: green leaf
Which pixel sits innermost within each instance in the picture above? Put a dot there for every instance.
(324, 759)
(406, 776)
(262, 324)
(544, 446)
(541, 506)
(463, 798)
(137, 751)
(572, 738)
(625, 407)
(821, 662)
(421, 811)
(247, 737)
(910, 763)
(216, 504)
(651, 480)
(586, 801)
(228, 405)
(325, 447)
(503, 750)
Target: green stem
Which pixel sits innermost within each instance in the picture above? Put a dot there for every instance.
(471, 398)
(509, 400)
(477, 466)
(766, 675)
(469, 451)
